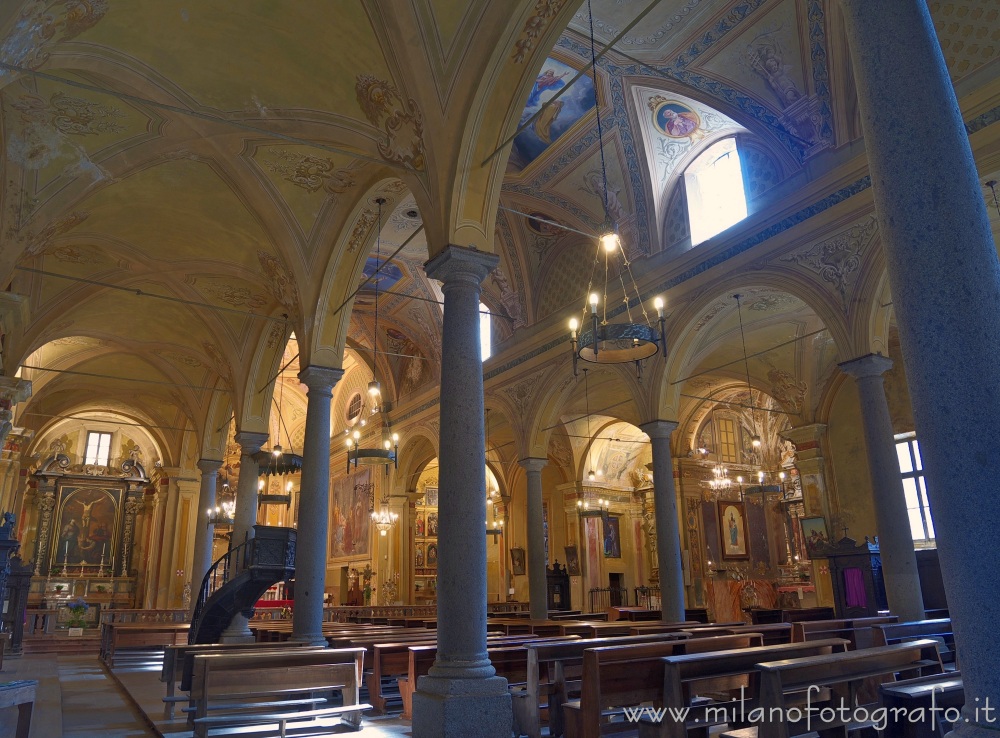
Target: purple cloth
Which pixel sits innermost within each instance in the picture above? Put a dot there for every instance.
(854, 588)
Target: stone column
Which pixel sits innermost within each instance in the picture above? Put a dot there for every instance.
(537, 588)
(815, 501)
(461, 696)
(314, 507)
(945, 280)
(204, 531)
(899, 562)
(245, 517)
(668, 534)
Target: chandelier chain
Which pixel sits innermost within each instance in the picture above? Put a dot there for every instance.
(597, 107)
(746, 362)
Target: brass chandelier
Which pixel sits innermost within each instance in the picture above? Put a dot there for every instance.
(604, 341)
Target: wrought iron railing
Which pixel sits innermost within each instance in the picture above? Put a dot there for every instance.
(648, 597)
(234, 561)
(603, 598)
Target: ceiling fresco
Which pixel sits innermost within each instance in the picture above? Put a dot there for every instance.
(176, 176)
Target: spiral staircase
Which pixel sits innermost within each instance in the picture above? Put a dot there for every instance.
(236, 581)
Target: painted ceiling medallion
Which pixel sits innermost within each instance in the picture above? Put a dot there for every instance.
(675, 119)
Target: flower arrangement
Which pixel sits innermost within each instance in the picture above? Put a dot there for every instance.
(78, 609)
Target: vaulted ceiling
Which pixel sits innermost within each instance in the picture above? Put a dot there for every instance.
(183, 184)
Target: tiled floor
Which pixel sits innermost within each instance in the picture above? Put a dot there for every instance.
(78, 699)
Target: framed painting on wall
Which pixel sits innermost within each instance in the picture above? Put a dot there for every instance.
(517, 562)
(733, 530)
(572, 561)
(814, 534)
(87, 522)
(350, 514)
(612, 537)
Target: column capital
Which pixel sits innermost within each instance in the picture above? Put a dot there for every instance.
(207, 466)
(532, 464)
(320, 378)
(13, 390)
(870, 365)
(460, 263)
(250, 442)
(659, 428)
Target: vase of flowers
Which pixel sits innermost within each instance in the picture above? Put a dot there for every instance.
(77, 613)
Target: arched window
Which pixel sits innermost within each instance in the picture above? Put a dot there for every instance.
(713, 184)
(485, 335)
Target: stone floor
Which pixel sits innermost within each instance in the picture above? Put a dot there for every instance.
(79, 698)
(75, 699)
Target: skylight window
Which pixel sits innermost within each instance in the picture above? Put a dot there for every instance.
(714, 187)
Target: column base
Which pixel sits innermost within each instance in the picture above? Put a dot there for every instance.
(238, 631)
(967, 728)
(316, 639)
(462, 708)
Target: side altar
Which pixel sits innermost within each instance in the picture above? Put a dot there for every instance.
(86, 531)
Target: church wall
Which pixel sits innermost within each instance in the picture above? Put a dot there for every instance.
(851, 493)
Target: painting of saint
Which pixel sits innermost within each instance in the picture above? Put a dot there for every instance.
(550, 118)
(612, 538)
(814, 534)
(350, 515)
(544, 225)
(432, 525)
(420, 526)
(418, 556)
(432, 555)
(732, 521)
(517, 567)
(572, 561)
(676, 120)
(87, 523)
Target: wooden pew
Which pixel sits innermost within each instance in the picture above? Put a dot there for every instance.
(178, 661)
(121, 636)
(249, 686)
(618, 676)
(939, 629)
(391, 659)
(546, 683)
(689, 675)
(925, 693)
(857, 630)
(783, 683)
(21, 694)
(774, 633)
(508, 664)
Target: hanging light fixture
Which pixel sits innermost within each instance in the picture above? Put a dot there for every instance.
(608, 342)
(755, 438)
(385, 454)
(277, 461)
(384, 520)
